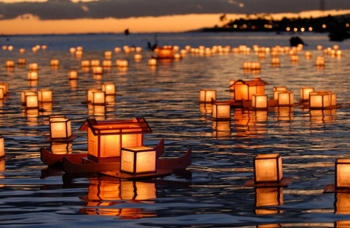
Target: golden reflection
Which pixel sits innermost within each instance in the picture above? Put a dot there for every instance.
(61, 147)
(342, 203)
(206, 108)
(2, 169)
(266, 199)
(250, 122)
(221, 128)
(342, 224)
(322, 116)
(105, 193)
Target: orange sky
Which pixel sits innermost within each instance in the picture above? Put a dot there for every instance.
(179, 23)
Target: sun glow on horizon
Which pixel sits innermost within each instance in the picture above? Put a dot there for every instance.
(30, 24)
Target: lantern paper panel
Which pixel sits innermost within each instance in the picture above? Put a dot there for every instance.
(206, 95)
(342, 173)
(98, 97)
(278, 89)
(221, 111)
(342, 203)
(31, 101)
(240, 90)
(268, 168)
(108, 88)
(137, 160)
(45, 95)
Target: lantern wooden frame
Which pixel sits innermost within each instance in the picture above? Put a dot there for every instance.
(107, 137)
(137, 160)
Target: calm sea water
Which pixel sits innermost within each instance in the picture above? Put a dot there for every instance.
(210, 193)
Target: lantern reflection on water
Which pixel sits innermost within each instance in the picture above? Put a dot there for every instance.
(342, 203)
(207, 95)
(61, 147)
(105, 193)
(266, 200)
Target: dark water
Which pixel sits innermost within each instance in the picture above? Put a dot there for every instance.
(210, 193)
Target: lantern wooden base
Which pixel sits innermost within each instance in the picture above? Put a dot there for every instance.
(285, 182)
(330, 188)
(69, 139)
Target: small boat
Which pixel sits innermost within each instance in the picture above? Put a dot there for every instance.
(165, 165)
(52, 159)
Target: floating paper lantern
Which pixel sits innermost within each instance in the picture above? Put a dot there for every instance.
(32, 75)
(108, 54)
(285, 98)
(2, 94)
(85, 63)
(97, 70)
(137, 57)
(305, 93)
(342, 173)
(320, 99)
(268, 168)
(89, 94)
(275, 61)
(31, 101)
(21, 61)
(256, 86)
(60, 128)
(33, 66)
(165, 52)
(278, 89)
(121, 63)
(24, 94)
(320, 61)
(152, 62)
(259, 101)
(10, 64)
(72, 74)
(5, 87)
(136, 160)
(45, 95)
(109, 88)
(241, 91)
(207, 95)
(107, 63)
(54, 62)
(221, 111)
(98, 98)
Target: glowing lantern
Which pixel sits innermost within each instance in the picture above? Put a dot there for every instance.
(259, 101)
(32, 75)
(342, 173)
(54, 62)
(33, 66)
(207, 95)
(304, 93)
(89, 94)
(285, 98)
(60, 128)
(268, 168)
(85, 63)
(97, 70)
(138, 160)
(117, 49)
(308, 54)
(240, 90)
(152, 62)
(45, 95)
(165, 52)
(320, 99)
(2, 147)
(26, 93)
(121, 63)
(10, 64)
(275, 61)
(31, 101)
(98, 97)
(106, 138)
(108, 88)
(78, 53)
(21, 61)
(2, 94)
(256, 86)
(108, 54)
(221, 111)
(137, 57)
(320, 61)
(278, 89)
(267, 197)
(107, 63)
(72, 74)
(5, 87)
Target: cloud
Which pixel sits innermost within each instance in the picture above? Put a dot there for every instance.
(67, 9)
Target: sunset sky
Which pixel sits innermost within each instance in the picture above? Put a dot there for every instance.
(79, 16)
